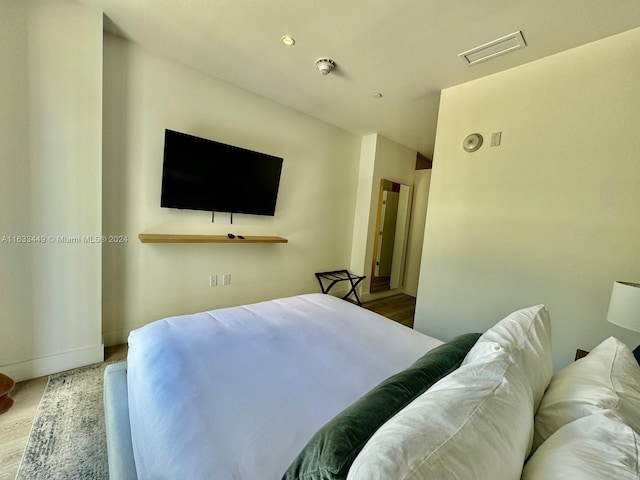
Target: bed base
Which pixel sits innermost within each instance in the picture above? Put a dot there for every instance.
(116, 412)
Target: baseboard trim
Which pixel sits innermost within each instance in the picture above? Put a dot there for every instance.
(39, 367)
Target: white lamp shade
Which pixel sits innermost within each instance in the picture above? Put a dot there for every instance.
(624, 309)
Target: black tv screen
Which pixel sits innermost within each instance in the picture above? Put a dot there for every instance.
(201, 174)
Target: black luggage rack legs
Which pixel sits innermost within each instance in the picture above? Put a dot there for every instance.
(340, 276)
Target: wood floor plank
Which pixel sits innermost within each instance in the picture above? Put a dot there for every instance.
(15, 425)
(400, 308)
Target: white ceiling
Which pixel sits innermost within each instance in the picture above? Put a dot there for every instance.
(405, 49)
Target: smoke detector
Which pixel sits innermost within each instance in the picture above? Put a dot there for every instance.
(325, 65)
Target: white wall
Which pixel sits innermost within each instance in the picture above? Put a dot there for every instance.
(360, 264)
(422, 181)
(143, 95)
(50, 151)
(380, 158)
(551, 216)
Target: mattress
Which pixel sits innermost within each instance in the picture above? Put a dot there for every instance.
(236, 393)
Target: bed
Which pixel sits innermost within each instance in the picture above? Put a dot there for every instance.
(312, 387)
(315, 354)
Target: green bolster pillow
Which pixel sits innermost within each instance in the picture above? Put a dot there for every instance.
(331, 451)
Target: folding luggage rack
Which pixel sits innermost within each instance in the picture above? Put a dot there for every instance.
(340, 276)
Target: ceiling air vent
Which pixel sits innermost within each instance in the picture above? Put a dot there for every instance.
(492, 49)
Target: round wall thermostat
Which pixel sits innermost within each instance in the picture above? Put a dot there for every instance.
(472, 142)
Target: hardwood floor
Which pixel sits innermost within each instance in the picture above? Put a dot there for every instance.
(380, 284)
(15, 425)
(400, 308)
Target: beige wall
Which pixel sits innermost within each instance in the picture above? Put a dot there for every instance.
(422, 181)
(144, 94)
(380, 158)
(551, 216)
(365, 191)
(50, 150)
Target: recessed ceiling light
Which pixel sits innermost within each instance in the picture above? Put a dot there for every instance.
(288, 40)
(376, 95)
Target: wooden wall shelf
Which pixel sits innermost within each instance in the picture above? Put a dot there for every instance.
(188, 238)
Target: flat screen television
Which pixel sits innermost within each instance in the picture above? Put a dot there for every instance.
(201, 174)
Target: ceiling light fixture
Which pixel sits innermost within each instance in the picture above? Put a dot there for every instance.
(500, 46)
(288, 40)
(325, 65)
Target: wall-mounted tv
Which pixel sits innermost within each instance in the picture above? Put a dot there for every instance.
(201, 174)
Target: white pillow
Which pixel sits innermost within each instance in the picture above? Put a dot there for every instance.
(475, 423)
(607, 378)
(596, 447)
(526, 335)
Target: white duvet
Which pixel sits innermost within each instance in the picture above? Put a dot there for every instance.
(236, 393)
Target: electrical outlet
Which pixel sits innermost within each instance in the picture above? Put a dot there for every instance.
(213, 281)
(226, 279)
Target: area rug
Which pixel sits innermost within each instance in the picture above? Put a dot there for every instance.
(67, 439)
